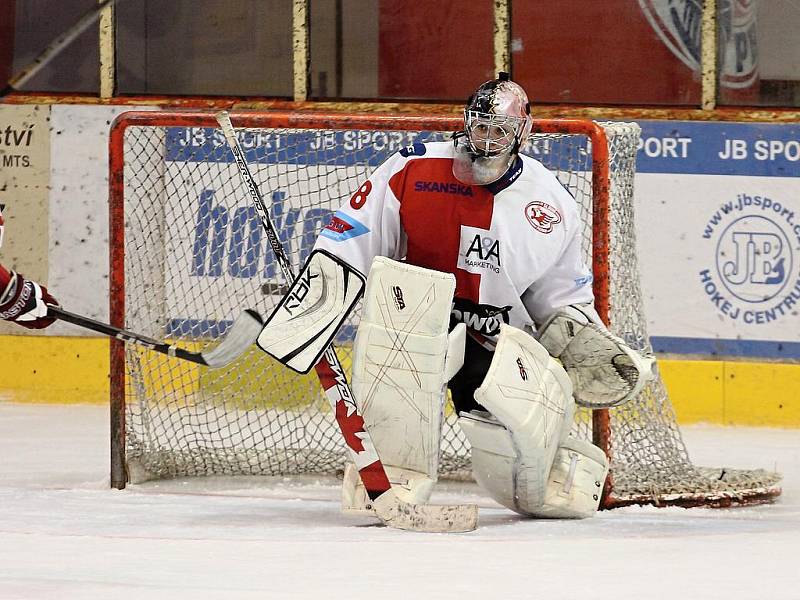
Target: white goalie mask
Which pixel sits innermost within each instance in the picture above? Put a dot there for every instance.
(497, 123)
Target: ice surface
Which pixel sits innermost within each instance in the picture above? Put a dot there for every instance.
(64, 534)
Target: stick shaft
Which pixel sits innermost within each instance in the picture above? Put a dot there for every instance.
(124, 335)
(329, 368)
(257, 198)
(55, 47)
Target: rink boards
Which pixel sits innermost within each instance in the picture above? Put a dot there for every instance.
(703, 224)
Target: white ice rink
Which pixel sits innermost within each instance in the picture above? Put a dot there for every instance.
(64, 534)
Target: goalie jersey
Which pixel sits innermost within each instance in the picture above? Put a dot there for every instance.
(514, 245)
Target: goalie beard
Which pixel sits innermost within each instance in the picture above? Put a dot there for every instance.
(475, 169)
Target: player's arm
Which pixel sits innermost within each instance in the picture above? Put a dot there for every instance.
(605, 371)
(21, 300)
(368, 223)
(568, 280)
(24, 301)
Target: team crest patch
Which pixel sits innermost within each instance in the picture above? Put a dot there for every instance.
(542, 216)
(343, 227)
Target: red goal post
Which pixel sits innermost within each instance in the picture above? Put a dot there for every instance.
(179, 262)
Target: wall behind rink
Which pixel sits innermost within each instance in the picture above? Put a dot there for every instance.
(718, 224)
(58, 213)
(67, 207)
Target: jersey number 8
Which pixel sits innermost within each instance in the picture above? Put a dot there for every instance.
(360, 197)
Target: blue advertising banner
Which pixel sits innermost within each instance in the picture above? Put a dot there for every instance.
(718, 221)
(700, 148)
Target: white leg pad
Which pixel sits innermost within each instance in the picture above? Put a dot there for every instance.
(529, 396)
(494, 460)
(402, 360)
(409, 486)
(576, 481)
(574, 484)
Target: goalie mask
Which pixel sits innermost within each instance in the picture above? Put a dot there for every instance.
(497, 123)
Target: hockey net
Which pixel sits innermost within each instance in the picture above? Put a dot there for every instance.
(188, 254)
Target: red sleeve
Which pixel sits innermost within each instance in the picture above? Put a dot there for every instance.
(5, 277)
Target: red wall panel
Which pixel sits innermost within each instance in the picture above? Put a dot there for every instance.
(598, 53)
(7, 12)
(439, 50)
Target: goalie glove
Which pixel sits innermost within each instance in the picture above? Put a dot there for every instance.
(604, 370)
(25, 302)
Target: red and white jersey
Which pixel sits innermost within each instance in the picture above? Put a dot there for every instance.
(514, 246)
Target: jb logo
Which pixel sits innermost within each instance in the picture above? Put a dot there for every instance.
(754, 278)
(754, 259)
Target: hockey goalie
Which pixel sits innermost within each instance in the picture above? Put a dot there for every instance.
(475, 284)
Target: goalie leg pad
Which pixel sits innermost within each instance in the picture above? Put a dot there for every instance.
(401, 364)
(604, 370)
(573, 487)
(495, 463)
(410, 486)
(529, 397)
(576, 480)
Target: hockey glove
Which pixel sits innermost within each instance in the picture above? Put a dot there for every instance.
(25, 302)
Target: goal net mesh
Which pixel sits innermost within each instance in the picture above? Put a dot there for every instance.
(195, 256)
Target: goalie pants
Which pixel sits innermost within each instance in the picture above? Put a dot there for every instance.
(469, 378)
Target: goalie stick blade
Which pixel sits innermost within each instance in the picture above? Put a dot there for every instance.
(429, 518)
(242, 335)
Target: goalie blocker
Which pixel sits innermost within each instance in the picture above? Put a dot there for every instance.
(306, 320)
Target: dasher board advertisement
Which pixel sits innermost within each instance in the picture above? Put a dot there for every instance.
(718, 218)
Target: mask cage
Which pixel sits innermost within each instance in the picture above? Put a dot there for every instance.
(492, 135)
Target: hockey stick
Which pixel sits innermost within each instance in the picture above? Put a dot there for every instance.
(240, 337)
(388, 507)
(54, 48)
